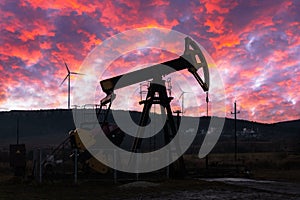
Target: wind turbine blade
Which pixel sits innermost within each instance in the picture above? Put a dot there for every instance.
(181, 89)
(181, 95)
(66, 66)
(76, 73)
(64, 80)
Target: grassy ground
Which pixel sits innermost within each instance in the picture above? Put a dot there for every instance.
(269, 166)
(171, 189)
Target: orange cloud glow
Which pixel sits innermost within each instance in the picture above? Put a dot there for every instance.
(255, 45)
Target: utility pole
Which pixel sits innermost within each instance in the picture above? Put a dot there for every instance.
(181, 161)
(207, 100)
(235, 134)
(178, 118)
(17, 129)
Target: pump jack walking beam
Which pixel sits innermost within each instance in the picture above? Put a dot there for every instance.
(192, 60)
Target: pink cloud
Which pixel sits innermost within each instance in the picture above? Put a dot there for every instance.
(254, 44)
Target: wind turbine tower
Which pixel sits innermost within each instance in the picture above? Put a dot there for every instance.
(69, 81)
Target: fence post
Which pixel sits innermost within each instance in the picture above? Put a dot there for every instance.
(168, 167)
(41, 167)
(75, 166)
(115, 166)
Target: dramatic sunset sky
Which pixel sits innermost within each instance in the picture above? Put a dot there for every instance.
(255, 45)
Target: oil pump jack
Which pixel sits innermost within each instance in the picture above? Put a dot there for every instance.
(192, 60)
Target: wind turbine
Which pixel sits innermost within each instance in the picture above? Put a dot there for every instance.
(69, 81)
(182, 100)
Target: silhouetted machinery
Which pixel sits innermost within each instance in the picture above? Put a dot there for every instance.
(192, 60)
(114, 134)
